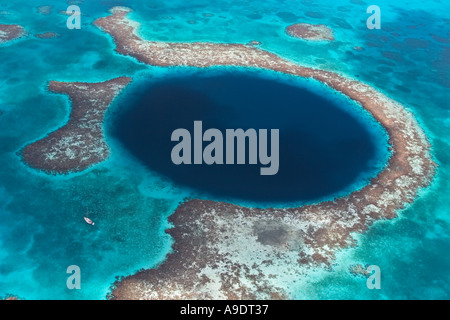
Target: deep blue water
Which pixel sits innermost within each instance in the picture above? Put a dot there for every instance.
(323, 148)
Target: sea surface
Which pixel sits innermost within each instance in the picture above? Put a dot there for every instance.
(42, 230)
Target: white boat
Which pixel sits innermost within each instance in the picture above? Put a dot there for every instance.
(88, 221)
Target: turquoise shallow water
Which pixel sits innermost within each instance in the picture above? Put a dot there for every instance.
(41, 226)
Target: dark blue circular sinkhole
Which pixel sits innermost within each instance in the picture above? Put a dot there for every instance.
(323, 148)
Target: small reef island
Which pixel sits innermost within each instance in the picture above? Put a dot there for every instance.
(221, 250)
(310, 32)
(9, 32)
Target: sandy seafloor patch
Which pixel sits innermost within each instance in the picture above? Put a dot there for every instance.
(41, 228)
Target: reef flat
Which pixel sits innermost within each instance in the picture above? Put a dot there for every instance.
(80, 143)
(227, 251)
(310, 32)
(9, 32)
